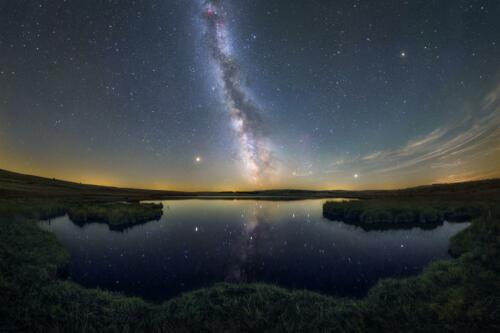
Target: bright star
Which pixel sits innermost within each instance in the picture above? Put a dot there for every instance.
(356, 176)
(403, 54)
(198, 159)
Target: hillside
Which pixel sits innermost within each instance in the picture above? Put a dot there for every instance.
(16, 185)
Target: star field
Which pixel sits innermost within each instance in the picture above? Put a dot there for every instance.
(345, 94)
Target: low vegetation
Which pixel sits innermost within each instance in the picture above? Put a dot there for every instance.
(377, 213)
(116, 215)
(457, 295)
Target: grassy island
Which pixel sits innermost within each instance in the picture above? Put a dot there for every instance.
(377, 213)
(117, 215)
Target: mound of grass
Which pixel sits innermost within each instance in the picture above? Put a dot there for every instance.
(117, 215)
(380, 213)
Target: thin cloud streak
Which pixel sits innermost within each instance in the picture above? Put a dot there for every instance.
(451, 148)
(468, 136)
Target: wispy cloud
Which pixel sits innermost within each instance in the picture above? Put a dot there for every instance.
(446, 148)
(427, 140)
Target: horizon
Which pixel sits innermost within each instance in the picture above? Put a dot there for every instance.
(244, 190)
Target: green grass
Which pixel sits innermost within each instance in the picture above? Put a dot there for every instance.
(380, 213)
(458, 295)
(117, 215)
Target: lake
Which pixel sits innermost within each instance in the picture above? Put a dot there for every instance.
(287, 243)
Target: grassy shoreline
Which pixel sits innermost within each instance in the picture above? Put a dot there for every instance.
(457, 295)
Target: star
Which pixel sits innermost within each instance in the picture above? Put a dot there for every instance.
(257, 104)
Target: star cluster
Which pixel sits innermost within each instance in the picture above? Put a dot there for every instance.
(350, 94)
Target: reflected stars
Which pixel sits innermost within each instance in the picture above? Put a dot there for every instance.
(197, 236)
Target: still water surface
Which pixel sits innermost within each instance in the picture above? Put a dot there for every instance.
(200, 242)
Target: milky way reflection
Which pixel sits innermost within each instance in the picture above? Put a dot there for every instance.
(198, 243)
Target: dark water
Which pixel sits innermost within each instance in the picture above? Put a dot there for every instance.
(200, 242)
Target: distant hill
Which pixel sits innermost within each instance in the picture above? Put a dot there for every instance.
(16, 185)
(19, 185)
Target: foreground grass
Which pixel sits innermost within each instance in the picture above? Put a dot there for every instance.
(460, 295)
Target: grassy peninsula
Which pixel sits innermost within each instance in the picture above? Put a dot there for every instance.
(118, 215)
(401, 213)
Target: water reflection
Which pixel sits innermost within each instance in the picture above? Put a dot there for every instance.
(199, 242)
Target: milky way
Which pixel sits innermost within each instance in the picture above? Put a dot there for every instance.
(223, 95)
(245, 114)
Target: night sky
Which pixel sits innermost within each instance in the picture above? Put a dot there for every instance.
(229, 95)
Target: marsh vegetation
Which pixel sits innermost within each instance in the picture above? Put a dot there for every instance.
(394, 213)
(457, 295)
(118, 215)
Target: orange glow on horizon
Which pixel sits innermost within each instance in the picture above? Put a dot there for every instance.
(101, 180)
